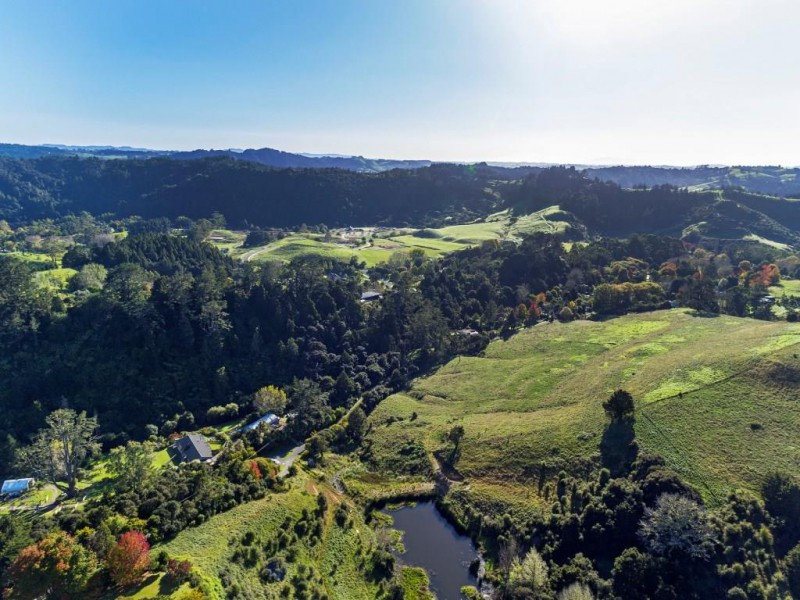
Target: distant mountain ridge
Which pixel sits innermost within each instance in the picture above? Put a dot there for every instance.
(264, 156)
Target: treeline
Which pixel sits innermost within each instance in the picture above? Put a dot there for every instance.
(50, 187)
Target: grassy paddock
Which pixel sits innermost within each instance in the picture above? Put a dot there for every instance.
(433, 242)
(715, 396)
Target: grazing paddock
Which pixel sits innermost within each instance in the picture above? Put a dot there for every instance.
(716, 397)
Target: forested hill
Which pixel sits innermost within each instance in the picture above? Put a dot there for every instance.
(246, 193)
(605, 208)
(251, 195)
(776, 181)
(770, 180)
(265, 156)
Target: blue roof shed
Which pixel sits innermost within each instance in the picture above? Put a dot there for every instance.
(270, 419)
(16, 486)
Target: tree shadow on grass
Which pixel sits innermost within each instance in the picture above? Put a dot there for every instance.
(168, 585)
(618, 447)
(134, 589)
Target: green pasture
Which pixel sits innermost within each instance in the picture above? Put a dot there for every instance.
(716, 397)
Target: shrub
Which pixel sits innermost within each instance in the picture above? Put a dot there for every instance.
(179, 570)
(577, 591)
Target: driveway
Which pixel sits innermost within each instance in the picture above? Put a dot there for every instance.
(287, 460)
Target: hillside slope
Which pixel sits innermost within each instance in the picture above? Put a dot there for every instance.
(716, 397)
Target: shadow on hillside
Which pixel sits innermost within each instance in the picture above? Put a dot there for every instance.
(168, 585)
(704, 314)
(618, 448)
(138, 588)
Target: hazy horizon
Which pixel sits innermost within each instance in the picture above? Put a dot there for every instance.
(128, 147)
(574, 82)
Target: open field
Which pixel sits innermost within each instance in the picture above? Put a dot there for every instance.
(716, 397)
(382, 244)
(336, 558)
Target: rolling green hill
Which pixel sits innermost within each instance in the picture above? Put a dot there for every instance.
(716, 397)
(385, 243)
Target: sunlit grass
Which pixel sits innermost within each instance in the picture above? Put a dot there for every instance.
(535, 400)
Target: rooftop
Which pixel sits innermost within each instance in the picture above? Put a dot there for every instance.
(270, 419)
(193, 447)
(15, 486)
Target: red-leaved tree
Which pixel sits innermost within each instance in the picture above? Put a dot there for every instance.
(129, 558)
(254, 469)
(57, 565)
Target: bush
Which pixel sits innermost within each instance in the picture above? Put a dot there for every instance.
(577, 591)
(179, 570)
(470, 593)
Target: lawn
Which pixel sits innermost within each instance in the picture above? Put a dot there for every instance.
(41, 495)
(790, 287)
(716, 397)
(228, 241)
(38, 261)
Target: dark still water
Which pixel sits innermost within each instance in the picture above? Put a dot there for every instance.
(433, 544)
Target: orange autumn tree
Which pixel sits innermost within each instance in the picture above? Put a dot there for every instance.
(770, 275)
(129, 558)
(57, 565)
(253, 466)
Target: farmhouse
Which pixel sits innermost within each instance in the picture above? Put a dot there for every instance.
(15, 487)
(371, 296)
(270, 419)
(193, 447)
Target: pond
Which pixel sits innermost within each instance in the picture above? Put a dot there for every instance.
(434, 544)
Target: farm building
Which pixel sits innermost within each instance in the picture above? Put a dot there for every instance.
(270, 419)
(15, 487)
(193, 447)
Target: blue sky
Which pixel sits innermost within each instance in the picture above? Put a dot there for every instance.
(583, 81)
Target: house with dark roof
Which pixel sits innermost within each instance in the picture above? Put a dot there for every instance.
(193, 447)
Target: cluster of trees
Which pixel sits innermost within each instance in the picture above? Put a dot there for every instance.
(639, 531)
(196, 330)
(61, 565)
